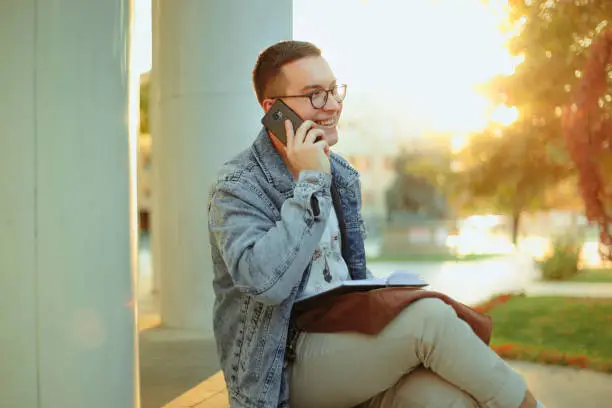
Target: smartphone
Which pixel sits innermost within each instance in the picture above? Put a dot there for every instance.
(274, 120)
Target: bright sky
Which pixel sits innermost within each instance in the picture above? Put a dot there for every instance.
(420, 59)
(142, 36)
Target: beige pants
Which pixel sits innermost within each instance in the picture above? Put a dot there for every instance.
(427, 357)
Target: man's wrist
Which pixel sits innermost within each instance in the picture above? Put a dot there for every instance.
(316, 178)
(314, 188)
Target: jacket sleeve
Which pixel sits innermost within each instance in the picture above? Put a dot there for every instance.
(267, 258)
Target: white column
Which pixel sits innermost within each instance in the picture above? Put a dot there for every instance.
(67, 336)
(156, 209)
(203, 55)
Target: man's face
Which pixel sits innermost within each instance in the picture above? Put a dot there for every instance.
(302, 77)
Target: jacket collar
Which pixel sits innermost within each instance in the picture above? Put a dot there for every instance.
(280, 177)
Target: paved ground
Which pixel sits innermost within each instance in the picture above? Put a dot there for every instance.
(574, 289)
(563, 387)
(469, 282)
(173, 362)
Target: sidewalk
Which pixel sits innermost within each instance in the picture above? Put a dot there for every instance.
(564, 387)
(470, 282)
(172, 362)
(572, 289)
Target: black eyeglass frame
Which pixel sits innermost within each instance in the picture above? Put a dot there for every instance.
(339, 97)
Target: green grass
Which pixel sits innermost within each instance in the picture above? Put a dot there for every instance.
(593, 276)
(429, 258)
(532, 327)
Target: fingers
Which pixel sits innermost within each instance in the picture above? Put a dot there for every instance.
(306, 136)
(314, 136)
(322, 144)
(307, 148)
(302, 132)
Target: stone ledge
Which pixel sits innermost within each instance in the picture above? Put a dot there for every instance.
(210, 393)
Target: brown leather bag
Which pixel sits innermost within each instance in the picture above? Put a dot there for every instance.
(370, 312)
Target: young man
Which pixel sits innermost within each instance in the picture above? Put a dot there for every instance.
(277, 231)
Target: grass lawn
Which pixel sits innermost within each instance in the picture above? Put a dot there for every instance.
(593, 276)
(429, 258)
(555, 330)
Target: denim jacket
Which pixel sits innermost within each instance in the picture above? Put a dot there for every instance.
(264, 227)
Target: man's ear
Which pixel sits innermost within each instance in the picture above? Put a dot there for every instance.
(266, 104)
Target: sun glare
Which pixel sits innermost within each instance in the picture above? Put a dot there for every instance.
(504, 115)
(423, 58)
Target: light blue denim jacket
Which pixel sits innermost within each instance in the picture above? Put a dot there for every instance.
(264, 228)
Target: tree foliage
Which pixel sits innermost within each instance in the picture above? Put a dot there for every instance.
(554, 39)
(144, 105)
(588, 134)
(511, 170)
(566, 82)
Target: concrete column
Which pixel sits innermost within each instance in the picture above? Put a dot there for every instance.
(67, 337)
(154, 128)
(203, 55)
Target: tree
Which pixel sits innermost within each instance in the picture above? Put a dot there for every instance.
(567, 45)
(510, 171)
(588, 134)
(553, 38)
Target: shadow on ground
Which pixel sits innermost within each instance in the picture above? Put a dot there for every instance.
(171, 363)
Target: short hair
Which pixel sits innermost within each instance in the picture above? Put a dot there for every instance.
(267, 76)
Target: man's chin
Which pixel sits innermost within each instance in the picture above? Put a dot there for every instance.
(331, 136)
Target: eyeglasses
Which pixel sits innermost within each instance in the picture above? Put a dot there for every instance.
(318, 98)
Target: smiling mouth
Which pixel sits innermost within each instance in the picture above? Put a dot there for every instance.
(327, 123)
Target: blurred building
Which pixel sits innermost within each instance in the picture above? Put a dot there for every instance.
(371, 148)
(372, 142)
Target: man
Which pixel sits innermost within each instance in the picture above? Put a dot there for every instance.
(278, 225)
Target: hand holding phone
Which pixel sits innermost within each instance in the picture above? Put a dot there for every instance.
(307, 148)
(275, 117)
